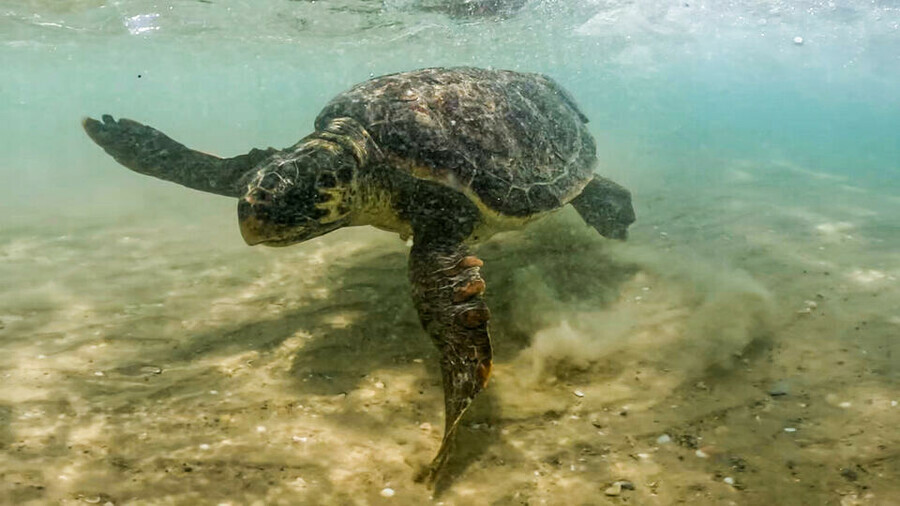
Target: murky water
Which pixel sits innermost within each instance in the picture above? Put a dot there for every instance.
(740, 348)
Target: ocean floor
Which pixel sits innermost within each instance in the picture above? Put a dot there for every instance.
(741, 348)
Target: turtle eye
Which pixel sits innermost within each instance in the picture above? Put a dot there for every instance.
(259, 196)
(269, 181)
(326, 180)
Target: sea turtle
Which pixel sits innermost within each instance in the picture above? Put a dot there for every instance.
(445, 156)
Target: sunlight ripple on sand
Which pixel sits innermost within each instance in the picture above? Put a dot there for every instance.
(867, 276)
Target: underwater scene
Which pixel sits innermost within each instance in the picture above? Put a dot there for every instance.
(457, 317)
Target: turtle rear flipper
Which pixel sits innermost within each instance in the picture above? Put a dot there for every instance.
(448, 292)
(606, 206)
(447, 289)
(148, 151)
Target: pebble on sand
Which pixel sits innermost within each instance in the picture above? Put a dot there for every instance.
(665, 438)
(729, 480)
(780, 388)
(617, 487)
(387, 492)
(578, 393)
(808, 307)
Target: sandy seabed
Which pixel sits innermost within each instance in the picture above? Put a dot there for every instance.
(741, 348)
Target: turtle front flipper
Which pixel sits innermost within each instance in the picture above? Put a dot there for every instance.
(606, 206)
(148, 151)
(448, 292)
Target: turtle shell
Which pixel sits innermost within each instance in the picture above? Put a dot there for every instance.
(515, 141)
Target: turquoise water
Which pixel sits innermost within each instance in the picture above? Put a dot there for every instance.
(690, 84)
(761, 141)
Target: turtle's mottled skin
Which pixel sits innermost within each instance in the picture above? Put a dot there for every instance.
(445, 156)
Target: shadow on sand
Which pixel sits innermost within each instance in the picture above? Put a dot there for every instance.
(367, 322)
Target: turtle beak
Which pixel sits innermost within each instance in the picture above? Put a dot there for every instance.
(251, 226)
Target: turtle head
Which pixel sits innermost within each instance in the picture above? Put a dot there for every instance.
(298, 195)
